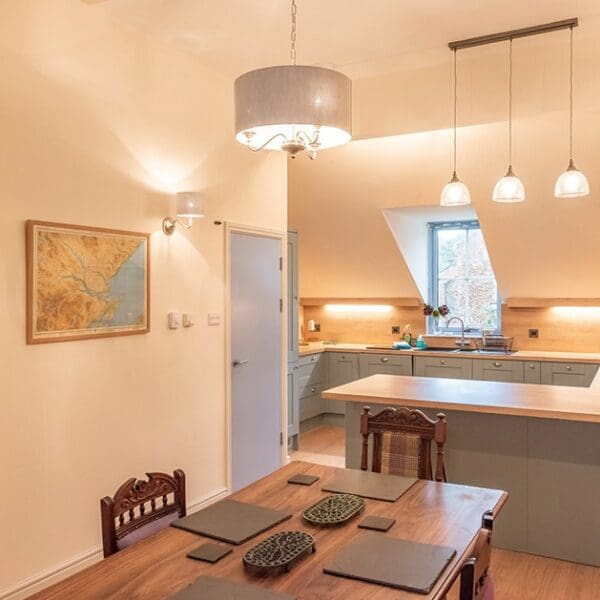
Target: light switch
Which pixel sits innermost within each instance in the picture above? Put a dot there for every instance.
(214, 319)
(174, 320)
(187, 320)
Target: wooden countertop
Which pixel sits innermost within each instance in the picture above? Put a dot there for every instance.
(518, 399)
(541, 355)
(156, 568)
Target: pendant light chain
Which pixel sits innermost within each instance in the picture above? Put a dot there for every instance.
(455, 103)
(571, 97)
(510, 104)
(293, 33)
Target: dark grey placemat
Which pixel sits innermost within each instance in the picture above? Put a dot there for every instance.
(389, 561)
(370, 485)
(211, 588)
(231, 521)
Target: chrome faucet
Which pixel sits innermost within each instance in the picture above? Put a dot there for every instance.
(462, 342)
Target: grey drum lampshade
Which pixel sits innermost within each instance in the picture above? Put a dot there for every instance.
(292, 98)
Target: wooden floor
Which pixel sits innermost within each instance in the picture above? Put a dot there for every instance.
(517, 576)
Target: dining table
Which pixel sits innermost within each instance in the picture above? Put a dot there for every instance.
(429, 512)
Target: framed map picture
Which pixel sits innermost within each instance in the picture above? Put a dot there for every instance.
(86, 282)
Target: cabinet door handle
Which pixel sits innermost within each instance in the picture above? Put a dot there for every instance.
(497, 364)
(313, 389)
(569, 368)
(313, 358)
(343, 357)
(442, 362)
(532, 366)
(385, 359)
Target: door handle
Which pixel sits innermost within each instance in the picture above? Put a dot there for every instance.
(237, 363)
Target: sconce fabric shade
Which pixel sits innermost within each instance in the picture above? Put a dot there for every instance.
(190, 205)
(284, 99)
(571, 184)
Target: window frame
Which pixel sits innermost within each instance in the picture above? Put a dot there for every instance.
(433, 264)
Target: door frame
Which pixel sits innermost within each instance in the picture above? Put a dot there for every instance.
(230, 229)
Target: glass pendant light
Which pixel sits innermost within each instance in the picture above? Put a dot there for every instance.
(572, 183)
(294, 108)
(455, 192)
(509, 188)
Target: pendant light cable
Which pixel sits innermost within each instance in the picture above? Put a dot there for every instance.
(571, 97)
(293, 33)
(455, 103)
(510, 105)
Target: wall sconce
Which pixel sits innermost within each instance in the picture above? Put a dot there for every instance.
(190, 205)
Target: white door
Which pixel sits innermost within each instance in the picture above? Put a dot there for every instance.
(256, 354)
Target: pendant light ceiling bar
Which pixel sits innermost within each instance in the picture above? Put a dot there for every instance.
(504, 36)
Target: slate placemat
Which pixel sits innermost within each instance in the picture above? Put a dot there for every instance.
(211, 588)
(370, 485)
(392, 562)
(231, 521)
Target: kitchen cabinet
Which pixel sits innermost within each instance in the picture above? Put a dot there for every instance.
(384, 364)
(293, 418)
(311, 380)
(511, 371)
(451, 368)
(342, 367)
(292, 296)
(575, 374)
(531, 372)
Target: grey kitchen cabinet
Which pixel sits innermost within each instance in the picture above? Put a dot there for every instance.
(292, 296)
(311, 380)
(575, 374)
(510, 371)
(531, 372)
(451, 368)
(384, 364)
(293, 417)
(342, 367)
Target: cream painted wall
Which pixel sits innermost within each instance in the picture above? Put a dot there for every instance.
(545, 247)
(99, 124)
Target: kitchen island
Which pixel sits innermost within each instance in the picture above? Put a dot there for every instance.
(541, 443)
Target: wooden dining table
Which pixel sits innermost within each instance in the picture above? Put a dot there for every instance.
(443, 514)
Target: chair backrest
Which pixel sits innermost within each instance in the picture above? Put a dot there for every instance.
(402, 442)
(475, 579)
(140, 508)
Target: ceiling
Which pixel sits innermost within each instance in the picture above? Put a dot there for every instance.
(361, 38)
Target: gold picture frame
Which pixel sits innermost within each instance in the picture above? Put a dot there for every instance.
(85, 282)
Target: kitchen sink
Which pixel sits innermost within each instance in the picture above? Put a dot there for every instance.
(448, 350)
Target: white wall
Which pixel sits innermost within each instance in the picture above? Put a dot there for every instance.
(99, 124)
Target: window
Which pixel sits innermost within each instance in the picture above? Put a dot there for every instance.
(461, 276)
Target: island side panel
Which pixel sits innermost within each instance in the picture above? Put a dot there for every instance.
(564, 490)
(483, 450)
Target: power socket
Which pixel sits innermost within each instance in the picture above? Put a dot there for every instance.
(395, 329)
(534, 333)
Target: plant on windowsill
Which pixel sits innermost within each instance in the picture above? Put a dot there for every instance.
(435, 314)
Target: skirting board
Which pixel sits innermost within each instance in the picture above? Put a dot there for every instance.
(48, 577)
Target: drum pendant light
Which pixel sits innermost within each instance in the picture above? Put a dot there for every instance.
(572, 183)
(455, 192)
(509, 188)
(293, 108)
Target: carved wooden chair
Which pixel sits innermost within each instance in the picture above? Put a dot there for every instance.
(140, 508)
(475, 579)
(402, 442)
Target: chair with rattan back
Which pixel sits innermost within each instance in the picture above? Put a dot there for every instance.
(140, 508)
(402, 442)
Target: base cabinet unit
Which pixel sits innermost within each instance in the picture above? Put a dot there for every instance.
(532, 372)
(450, 368)
(311, 380)
(384, 364)
(575, 374)
(342, 367)
(510, 371)
(293, 417)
